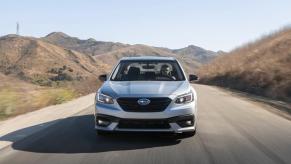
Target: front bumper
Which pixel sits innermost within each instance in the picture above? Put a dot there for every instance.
(168, 120)
(177, 124)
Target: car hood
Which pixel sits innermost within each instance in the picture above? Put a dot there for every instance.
(145, 88)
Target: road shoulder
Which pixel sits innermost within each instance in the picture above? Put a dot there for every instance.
(277, 107)
(30, 123)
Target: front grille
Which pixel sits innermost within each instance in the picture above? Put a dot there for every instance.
(157, 104)
(143, 124)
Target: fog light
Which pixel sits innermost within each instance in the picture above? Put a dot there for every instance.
(103, 122)
(189, 122)
(185, 123)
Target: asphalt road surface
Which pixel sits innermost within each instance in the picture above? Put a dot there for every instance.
(231, 129)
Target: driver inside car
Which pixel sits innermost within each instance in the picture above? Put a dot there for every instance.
(166, 72)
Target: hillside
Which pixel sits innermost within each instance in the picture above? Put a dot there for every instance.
(262, 67)
(196, 53)
(142, 50)
(89, 46)
(45, 64)
(192, 55)
(59, 57)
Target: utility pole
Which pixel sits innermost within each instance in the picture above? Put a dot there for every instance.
(17, 28)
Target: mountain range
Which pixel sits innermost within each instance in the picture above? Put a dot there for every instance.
(58, 57)
(94, 48)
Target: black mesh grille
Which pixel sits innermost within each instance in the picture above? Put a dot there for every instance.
(157, 104)
(143, 124)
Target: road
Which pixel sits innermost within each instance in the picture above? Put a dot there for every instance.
(231, 129)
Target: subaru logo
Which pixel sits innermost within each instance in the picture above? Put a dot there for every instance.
(143, 101)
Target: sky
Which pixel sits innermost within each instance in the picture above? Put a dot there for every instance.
(213, 25)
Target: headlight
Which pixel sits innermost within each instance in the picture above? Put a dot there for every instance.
(185, 98)
(101, 98)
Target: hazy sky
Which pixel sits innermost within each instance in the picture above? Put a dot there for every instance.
(219, 25)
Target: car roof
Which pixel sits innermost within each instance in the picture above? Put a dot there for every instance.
(148, 58)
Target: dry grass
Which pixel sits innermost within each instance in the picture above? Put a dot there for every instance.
(13, 102)
(262, 67)
(18, 97)
(85, 87)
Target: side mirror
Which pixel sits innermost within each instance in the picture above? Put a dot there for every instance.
(103, 77)
(193, 77)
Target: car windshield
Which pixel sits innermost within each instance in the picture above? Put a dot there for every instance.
(144, 70)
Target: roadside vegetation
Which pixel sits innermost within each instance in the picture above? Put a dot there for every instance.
(262, 67)
(18, 97)
(13, 101)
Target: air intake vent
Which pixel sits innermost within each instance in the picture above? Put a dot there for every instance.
(157, 104)
(143, 124)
